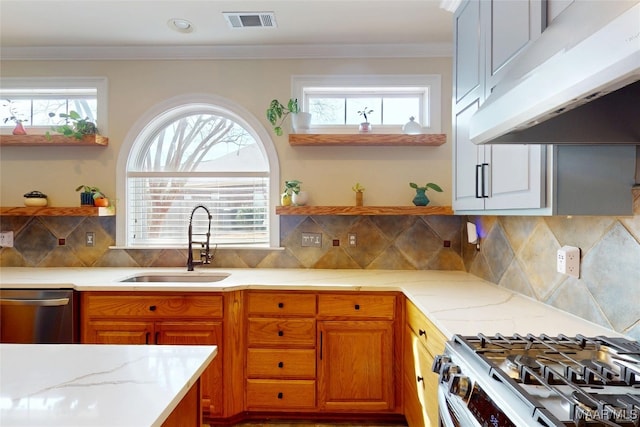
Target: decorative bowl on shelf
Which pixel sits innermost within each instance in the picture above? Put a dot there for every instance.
(35, 199)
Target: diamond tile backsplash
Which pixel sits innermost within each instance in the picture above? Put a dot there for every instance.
(517, 252)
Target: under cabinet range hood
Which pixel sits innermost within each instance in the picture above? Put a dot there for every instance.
(578, 83)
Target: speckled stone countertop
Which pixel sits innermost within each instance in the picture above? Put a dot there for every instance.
(455, 301)
(96, 385)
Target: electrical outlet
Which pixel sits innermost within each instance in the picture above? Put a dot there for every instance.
(353, 239)
(568, 261)
(6, 239)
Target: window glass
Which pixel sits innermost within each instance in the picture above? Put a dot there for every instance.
(192, 159)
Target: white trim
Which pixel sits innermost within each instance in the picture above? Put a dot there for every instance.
(433, 81)
(238, 113)
(100, 83)
(320, 51)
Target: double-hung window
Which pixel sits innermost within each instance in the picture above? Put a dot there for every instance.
(336, 102)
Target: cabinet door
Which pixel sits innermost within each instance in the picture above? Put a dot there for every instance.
(467, 41)
(468, 161)
(509, 27)
(355, 365)
(198, 333)
(119, 332)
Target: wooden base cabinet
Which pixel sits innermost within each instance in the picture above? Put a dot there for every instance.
(323, 352)
(163, 319)
(422, 342)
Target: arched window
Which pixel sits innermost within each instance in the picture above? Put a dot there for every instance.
(199, 153)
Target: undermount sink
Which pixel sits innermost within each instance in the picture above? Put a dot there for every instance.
(177, 277)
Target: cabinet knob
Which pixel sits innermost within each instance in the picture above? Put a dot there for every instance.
(152, 308)
(419, 378)
(357, 307)
(280, 395)
(280, 333)
(280, 305)
(422, 332)
(280, 364)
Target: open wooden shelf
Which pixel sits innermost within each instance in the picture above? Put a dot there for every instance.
(364, 210)
(57, 211)
(375, 139)
(53, 141)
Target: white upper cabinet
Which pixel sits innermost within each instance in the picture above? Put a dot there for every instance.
(491, 177)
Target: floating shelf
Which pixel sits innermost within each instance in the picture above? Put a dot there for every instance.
(364, 210)
(379, 139)
(53, 141)
(55, 211)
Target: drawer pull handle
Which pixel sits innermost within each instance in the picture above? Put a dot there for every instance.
(280, 364)
(357, 307)
(422, 332)
(280, 333)
(280, 305)
(152, 308)
(280, 395)
(420, 378)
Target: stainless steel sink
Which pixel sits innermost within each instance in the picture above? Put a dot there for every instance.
(177, 277)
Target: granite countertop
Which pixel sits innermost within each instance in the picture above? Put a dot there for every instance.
(96, 385)
(456, 302)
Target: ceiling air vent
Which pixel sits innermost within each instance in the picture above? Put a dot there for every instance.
(250, 19)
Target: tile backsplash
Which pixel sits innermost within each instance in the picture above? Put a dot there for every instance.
(517, 252)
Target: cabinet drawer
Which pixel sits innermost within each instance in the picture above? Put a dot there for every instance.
(114, 306)
(354, 305)
(277, 303)
(426, 331)
(278, 395)
(281, 332)
(276, 363)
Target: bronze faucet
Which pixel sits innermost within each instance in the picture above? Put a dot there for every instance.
(205, 253)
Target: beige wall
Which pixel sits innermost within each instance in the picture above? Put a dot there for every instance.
(136, 86)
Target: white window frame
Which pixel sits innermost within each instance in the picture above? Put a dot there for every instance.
(233, 111)
(431, 104)
(99, 83)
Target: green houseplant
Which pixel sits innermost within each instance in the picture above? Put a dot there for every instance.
(92, 196)
(13, 117)
(277, 113)
(365, 126)
(75, 126)
(290, 188)
(421, 198)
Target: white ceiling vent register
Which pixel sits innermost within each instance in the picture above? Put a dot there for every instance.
(250, 19)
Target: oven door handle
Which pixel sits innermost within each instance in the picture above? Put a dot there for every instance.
(54, 302)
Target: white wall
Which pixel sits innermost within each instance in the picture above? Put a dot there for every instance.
(327, 173)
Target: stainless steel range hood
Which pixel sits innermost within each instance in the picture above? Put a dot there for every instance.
(579, 83)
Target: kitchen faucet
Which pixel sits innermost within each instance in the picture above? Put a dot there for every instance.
(205, 253)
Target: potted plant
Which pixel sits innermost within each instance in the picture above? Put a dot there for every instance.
(421, 198)
(365, 126)
(290, 188)
(359, 190)
(277, 113)
(13, 117)
(92, 196)
(74, 126)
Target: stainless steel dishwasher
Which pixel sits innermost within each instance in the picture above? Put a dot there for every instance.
(38, 316)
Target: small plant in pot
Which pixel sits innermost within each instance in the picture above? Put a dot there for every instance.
(74, 126)
(291, 188)
(278, 112)
(14, 117)
(365, 126)
(421, 198)
(359, 190)
(92, 196)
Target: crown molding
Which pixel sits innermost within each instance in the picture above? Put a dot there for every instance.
(97, 53)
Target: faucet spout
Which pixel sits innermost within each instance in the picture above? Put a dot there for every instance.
(205, 252)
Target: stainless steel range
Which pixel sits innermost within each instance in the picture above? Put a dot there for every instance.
(503, 381)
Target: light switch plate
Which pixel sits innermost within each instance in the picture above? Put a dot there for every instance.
(6, 239)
